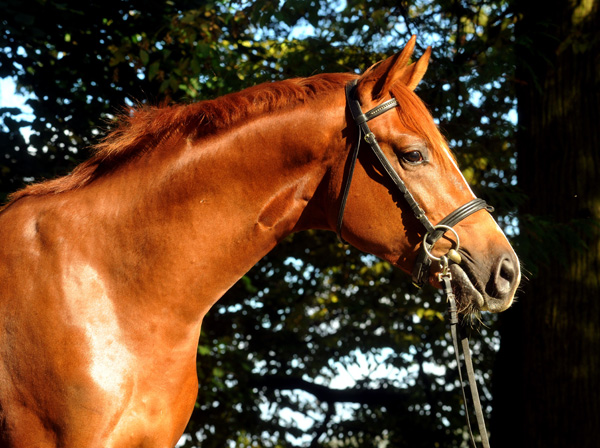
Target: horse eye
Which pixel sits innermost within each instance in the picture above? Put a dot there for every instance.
(413, 156)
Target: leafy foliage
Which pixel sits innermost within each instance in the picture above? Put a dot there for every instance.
(274, 350)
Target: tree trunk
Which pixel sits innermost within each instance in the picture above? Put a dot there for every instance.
(547, 380)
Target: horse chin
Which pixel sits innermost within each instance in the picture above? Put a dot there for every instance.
(469, 298)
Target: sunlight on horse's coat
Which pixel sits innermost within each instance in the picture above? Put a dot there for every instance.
(88, 302)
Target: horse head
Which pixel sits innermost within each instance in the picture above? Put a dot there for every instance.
(378, 218)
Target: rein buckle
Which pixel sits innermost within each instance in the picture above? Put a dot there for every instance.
(444, 274)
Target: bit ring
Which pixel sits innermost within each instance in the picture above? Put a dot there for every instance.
(439, 227)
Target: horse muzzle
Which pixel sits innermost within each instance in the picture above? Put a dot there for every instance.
(486, 288)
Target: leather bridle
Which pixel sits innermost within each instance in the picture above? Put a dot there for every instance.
(432, 234)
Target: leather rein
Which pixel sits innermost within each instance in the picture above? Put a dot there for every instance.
(432, 234)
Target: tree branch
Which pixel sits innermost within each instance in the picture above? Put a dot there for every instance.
(374, 397)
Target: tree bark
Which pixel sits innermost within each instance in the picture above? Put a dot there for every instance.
(547, 377)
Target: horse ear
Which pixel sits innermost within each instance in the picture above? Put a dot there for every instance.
(414, 72)
(381, 76)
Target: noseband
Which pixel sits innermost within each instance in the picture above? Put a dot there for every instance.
(432, 234)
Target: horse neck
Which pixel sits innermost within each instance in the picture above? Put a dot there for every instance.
(204, 212)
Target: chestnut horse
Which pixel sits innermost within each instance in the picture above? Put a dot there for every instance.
(106, 273)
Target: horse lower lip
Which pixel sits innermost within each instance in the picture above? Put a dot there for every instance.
(467, 291)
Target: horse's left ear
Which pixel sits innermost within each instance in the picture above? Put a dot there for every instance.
(413, 74)
(383, 75)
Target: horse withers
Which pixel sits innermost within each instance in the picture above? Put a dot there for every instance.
(106, 274)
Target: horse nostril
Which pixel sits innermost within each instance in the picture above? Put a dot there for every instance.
(503, 281)
(506, 274)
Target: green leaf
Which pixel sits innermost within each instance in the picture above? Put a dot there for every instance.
(153, 70)
(144, 57)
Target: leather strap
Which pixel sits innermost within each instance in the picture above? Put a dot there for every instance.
(423, 262)
(346, 189)
(447, 287)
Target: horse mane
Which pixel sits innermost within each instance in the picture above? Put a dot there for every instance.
(145, 128)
